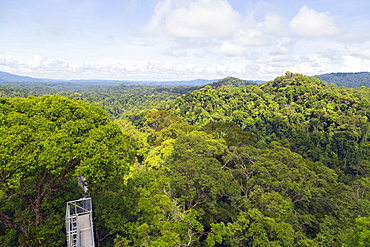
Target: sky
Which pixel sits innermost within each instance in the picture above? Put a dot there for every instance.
(182, 39)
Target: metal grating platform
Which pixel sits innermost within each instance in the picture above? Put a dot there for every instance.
(79, 223)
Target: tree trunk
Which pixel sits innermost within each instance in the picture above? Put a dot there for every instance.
(11, 225)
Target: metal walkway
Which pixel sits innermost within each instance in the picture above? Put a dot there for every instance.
(79, 223)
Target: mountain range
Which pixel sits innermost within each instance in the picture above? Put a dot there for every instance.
(7, 79)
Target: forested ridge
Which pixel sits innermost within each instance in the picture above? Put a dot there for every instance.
(347, 79)
(232, 163)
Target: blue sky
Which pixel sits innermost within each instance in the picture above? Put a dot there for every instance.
(182, 40)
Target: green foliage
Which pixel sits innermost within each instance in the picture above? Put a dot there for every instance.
(46, 142)
(194, 169)
(231, 82)
(284, 163)
(347, 79)
(134, 102)
(322, 122)
(361, 233)
(252, 228)
(159, 120)
(162, 222)
(231, 133)
(13, 92)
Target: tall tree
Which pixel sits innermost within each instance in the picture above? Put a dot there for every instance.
(45, 143)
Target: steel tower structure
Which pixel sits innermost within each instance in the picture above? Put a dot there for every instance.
(79, 223)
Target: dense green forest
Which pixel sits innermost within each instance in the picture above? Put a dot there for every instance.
(347, 79)
(232, 163)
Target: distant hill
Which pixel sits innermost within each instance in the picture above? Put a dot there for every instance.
(12, 80)
(7, 77)
(350, 80)
(232, 81)
(196, 82)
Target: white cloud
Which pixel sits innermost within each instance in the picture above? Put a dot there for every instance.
(263, 33)
(332, 57)
(228, 48)
(214, 27)
(203, 19)
(176, 52)
(310, 23)
(190, 39)
(37, 62)
(274, 25)
(2, 59)
(258, 65)
(283, 46)
(61, 69)
(251, 37)
(270, 33)
(361, 51)
(282, 61)
(158, 18)
(194, 19)
(354, 64)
